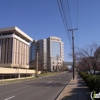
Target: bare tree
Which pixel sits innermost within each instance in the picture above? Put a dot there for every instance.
(88, 57)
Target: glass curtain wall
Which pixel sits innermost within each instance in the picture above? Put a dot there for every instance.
(55, 49)
(33, 52)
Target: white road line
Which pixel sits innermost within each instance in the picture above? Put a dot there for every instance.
(9, 98)
(49, 82)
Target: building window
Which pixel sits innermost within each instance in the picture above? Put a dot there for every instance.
(7, 33)
(33, 51)
(55, 49)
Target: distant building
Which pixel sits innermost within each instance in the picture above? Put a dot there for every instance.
(50, 54)
(14, 50)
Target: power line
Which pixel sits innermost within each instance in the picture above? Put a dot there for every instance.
(69, 14)
(77, 20)
(66, 23)
(66, 16)
(63, 19)
(77, 13)
(66, 13)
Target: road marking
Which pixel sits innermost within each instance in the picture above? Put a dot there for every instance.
(9, 98)
(49, 82)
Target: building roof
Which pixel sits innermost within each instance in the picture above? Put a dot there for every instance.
(17, 31)
(54, 37)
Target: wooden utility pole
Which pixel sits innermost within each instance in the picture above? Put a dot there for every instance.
(73, 51)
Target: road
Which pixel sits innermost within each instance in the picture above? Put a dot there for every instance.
(45, 88)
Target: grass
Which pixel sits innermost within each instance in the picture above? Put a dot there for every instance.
(49, 73)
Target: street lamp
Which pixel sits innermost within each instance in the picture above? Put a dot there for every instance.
(37, 65)
(18, 71)
(26, 70)
(57, 60)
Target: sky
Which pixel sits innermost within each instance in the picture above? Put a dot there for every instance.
(41, 19)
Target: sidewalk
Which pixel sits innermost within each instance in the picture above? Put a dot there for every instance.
(75, 90)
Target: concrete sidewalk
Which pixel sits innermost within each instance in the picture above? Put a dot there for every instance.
(75, 90)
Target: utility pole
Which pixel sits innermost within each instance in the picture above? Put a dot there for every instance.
(37, 65)
(73, 50)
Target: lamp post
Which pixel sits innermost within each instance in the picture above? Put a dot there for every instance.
(37, 65)
(26, 70)
(18, 72)
(57, 60)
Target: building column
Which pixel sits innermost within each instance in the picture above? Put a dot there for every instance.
(13, 44)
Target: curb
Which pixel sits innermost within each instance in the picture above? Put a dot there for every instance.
(62, 90)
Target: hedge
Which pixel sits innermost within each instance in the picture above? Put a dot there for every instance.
(92, 81)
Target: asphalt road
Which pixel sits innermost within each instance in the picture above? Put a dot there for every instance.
(46, 88)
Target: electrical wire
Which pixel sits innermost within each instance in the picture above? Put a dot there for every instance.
(69, 14)
(66, 16)
(66, 21)
(63, 19)
(77, 22)
(77, 13)
(66, 13)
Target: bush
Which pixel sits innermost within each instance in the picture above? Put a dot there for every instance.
(92, 81)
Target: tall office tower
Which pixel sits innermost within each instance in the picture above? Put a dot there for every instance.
(50, 54)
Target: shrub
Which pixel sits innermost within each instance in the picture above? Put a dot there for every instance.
(92, 81)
